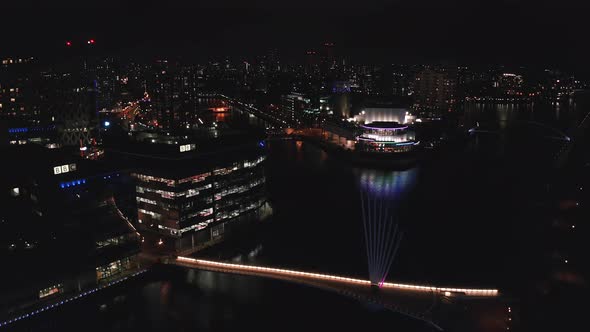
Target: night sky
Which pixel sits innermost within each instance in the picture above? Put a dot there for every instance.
(543, 33)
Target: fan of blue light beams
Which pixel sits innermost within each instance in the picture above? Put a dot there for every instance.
(381, 193)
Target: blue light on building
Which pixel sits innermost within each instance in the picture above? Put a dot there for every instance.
(18, 130)
(72, 183)
(27, 129)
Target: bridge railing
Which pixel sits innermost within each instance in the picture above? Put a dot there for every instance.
(292, 273)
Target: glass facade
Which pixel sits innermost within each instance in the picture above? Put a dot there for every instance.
(116, 241)
(114, 268)
(175, 208)
(52, 290)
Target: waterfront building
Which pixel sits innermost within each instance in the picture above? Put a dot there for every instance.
(383, 114)
(62, 227)
(190, 190)
(435, 89)
(386, 137)
(340, 132)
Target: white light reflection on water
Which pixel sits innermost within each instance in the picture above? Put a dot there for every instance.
(381, 191)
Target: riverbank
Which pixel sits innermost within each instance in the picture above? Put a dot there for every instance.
(169, 298)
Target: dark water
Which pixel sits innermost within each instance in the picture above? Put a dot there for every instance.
(177, 299)
(462, 211)
(456, 214)
(468, 215)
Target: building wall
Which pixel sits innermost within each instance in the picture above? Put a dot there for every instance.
(384, 114)
(294, 104)
(176, 209)
(435, 89)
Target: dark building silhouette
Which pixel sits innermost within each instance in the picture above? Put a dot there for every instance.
(435, 88)
(61, 229)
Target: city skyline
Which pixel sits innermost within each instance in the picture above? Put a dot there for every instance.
(512, 32)
(343, 165)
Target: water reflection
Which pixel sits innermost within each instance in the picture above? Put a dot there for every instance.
(389, 185)
(557, 115)
(380, 192)
(215, 302)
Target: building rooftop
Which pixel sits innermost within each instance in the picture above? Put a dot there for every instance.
(36, 161)
(186, 155)
(383, 125)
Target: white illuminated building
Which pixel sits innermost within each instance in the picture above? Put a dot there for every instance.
(386, 137)
(383, 114)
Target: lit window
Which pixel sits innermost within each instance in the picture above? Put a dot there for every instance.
(51, 290)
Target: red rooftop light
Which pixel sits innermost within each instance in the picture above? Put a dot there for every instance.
(68, 43)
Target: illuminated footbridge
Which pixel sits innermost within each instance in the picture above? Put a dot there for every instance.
(423, 302)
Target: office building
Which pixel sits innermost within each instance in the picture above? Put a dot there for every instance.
(62, 227)
(294, 105)
(190, 190)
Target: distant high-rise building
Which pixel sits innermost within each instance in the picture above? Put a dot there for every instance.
(510, 84)
(311, 61)
(328, 59)
(174, 92)
(12, 99)
(434, 88)
(108, 84)
(18, 99)
(294, 104)
(165, 90)
(401, 79)
(68, 98)
(72, 104)
(341, 99)
(272, 60)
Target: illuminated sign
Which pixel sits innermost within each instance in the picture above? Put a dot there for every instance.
(64, 169)
(187, 147)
